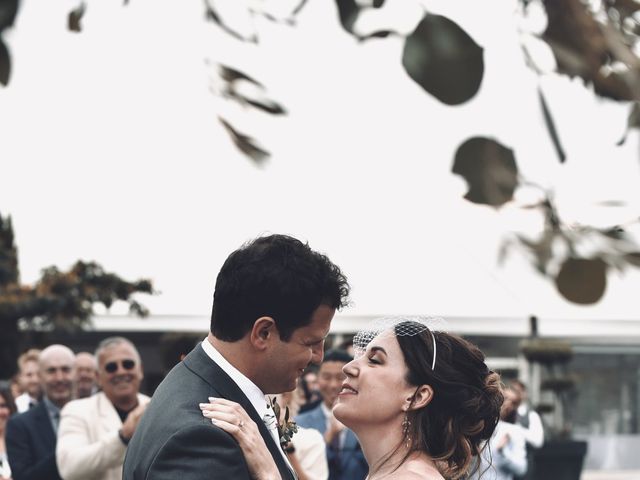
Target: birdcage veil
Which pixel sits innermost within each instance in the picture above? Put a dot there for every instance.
(399, 326)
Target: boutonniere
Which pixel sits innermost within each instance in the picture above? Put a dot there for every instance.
(286, 427)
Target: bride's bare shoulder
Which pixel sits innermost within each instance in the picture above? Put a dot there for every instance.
(419, 469)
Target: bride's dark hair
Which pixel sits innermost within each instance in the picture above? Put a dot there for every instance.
(465, 408)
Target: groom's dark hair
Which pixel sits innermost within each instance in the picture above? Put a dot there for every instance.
(274, 276)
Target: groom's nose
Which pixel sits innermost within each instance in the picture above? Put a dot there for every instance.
(317, 354)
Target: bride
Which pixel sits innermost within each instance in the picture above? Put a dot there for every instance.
(422, 403)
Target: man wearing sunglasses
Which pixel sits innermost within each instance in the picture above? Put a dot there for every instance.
(94, 431)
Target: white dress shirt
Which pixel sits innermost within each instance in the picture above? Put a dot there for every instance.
(23, 401)
(534, 433)
(253, 393)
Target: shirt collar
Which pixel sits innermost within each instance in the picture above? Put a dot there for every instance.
(52, 409)
(250, 389)
(327, 412)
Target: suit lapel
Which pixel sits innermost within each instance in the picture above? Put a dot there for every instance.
(44, 429)
(108, 417)
(199, 363)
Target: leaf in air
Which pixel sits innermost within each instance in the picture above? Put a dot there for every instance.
(231, 75)
(8, 12)
(490, 171)
(246, 144)
(582, 280)
(632, 122)
(444, 60)
(246, 90)
(633, 258)
(348, 11)
(5, 64)
(241, 32)
(75, 16)
(279, 11)
(551, 127)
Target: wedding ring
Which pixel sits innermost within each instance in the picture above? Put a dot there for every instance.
(241, 424)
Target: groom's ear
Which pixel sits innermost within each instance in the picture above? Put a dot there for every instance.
(263, 332)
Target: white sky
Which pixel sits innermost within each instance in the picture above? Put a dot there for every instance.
(111, 151)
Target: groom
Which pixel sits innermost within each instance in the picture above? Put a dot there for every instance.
(273, 304)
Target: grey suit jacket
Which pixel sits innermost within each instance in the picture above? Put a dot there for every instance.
(175, 442)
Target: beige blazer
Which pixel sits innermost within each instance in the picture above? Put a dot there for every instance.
(89, 447)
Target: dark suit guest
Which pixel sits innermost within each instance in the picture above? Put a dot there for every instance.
(272, 308)
(31, 436)
(344, 455)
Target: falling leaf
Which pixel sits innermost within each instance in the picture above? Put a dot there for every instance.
(5, 64)
(280, 11)
(581, 280)
(632, 122)
(444, 60)
(8, 12)
(75, 16)
(633, 258)
(215, 16)
(246, 144)
(349, 10)
(489, 169)
(551, 127)
(252, 94)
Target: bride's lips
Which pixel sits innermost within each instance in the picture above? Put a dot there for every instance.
(347, 390)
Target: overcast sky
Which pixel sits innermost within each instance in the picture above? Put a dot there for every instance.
(111, 151)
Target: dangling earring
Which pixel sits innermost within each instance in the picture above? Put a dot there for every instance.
(406, 425)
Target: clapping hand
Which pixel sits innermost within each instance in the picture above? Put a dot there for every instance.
(232, 418)
(133, 419)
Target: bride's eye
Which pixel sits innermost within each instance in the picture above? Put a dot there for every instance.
(375, 361)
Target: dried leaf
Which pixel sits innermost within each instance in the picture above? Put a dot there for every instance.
(348, 11)
(257, 98)
(8, 12)
(490, 171)
(633, 258)
(551, 127)
(246, 144)
(5, 64)
(632, 122)
(212, 15)
(581, 280)
(75, 16)
(444, 60)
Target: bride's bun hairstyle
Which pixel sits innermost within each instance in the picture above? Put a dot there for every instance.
(465, 407)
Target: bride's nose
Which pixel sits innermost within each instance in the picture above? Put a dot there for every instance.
(350, 369)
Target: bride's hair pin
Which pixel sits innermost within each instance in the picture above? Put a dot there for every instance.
(399, 326)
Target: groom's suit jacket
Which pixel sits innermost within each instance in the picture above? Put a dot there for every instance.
(175, 442)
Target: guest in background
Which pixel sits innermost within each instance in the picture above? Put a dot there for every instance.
(16, 389)
(306, 450)
(85, 381)
(308, 388)
(94, 431)
(506, 458)
(344, 455)
(29, 380)
(530, 422)
(31, 436)
(528, 418)
(7, 408)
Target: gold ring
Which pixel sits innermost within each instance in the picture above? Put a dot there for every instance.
(241, 424)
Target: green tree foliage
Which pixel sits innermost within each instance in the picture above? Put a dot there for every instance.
(59, 299)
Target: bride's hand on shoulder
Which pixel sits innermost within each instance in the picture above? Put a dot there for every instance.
(233, 419)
